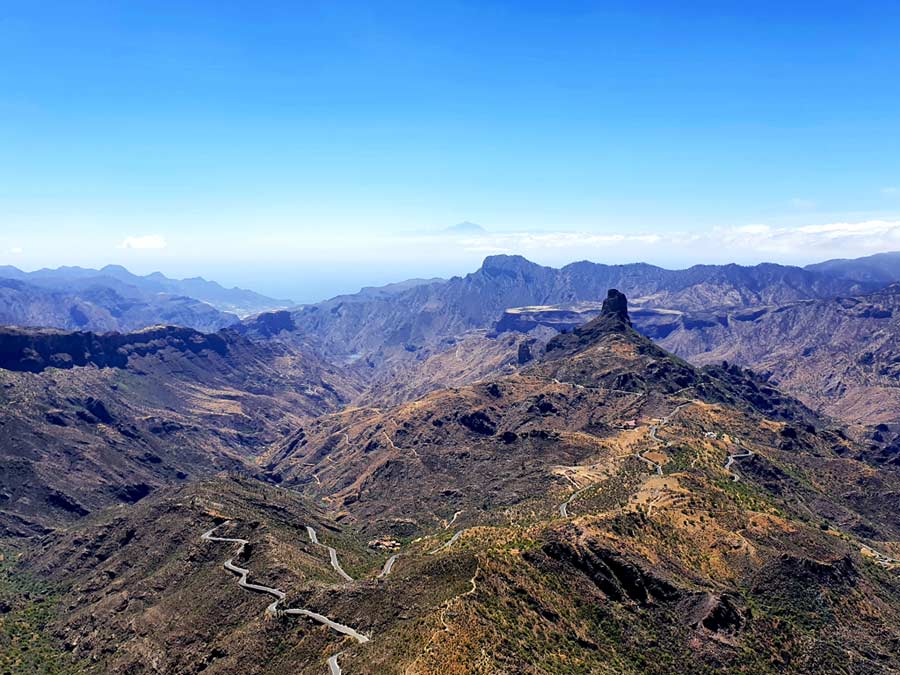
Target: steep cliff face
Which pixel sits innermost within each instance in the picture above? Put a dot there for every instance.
(839, 355)
(91, 420)
(35, 350)
(559, 318)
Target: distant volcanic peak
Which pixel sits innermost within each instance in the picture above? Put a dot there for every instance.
(616, 305)
(466, 227)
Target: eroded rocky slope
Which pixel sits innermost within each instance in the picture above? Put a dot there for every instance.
(90, 420)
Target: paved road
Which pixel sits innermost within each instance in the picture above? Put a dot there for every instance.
(734, 475)
(332, 554)
(880, 558)
(334, 625)
(665, 420)
(596, 388)
(243, 572)
(653, 465)
(564, 507)
(453, 519)
(388, 566)
(279, 595)
(448, 544)
(654, 428)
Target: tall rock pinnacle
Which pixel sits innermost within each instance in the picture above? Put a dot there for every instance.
(616, 304)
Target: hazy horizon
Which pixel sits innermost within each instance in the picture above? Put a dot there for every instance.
(305, 151)
(310, 285)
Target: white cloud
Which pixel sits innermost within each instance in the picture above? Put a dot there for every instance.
(144, 242)
(751, 242)
(843, 239)
(890, 191)
(753, 229)
(16, 250)
(531, 241)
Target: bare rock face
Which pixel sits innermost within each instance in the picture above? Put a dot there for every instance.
(616, 305)
(613, 319)
(268, 324)
(840, 356)
(617, 577)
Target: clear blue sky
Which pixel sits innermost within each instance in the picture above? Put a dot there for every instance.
(281, 145)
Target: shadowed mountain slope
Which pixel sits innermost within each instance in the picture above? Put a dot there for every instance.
(838, 355)
(91, 420)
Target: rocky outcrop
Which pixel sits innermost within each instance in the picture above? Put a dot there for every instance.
(616, 305)
(267, 324)
(614, 574)
(613, 318)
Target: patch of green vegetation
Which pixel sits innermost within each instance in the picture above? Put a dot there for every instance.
(681, 458)
(747, 496)
(26, 609)
(612, 493)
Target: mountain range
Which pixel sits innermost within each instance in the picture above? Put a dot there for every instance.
(112, 298)
(594, 469)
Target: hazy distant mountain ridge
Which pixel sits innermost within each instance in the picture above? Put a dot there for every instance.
(881, 267)
(84, 305)
(238, 301)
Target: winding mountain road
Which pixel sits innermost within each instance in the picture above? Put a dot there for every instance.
(333, 625)
(280, 595)
(448, 544)
(243, 572)
(653, 429)
(388, 566)
(880, 558)
(653, 465)
(332, 554)
(564, 507)
(453, 519)
(734, 475)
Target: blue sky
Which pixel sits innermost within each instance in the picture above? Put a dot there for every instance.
(308, 148)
